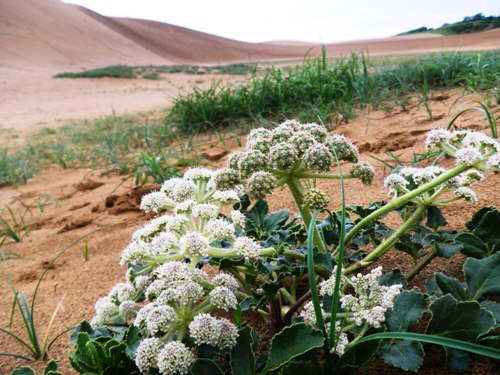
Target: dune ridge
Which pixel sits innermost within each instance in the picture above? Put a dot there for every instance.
(51, 35)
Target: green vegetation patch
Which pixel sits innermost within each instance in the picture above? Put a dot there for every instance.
(318, 88)
(470, 24)
(153, 71)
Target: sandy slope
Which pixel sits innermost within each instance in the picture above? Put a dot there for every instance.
(86, 204)
(41, 38)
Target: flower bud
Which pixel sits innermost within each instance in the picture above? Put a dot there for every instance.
(318, 158)
(364, 172)
(315, 199)
(250, 162)
(283, 155)
(260, 184)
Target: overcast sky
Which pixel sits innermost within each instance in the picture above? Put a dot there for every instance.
(321, 21)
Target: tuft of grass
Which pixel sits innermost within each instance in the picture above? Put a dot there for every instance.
(153, 71)
(112, 71)
(318, 88)
(128, 145)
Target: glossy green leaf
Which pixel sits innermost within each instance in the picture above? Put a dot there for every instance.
(459, 320)
(404, 354)
(242, 355)
(204, 366)
(450, 285)
(292, 342)
(409, 306)
(483, 276)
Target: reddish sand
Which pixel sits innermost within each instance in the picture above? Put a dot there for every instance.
(41, 38)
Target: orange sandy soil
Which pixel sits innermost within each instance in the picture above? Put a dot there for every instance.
(86, 205)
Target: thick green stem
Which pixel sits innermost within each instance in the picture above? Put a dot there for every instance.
(386, 245)
(420, 266)
(296, 189)
(286, 294)
(324, 176)
(398, 202)
(215, 252)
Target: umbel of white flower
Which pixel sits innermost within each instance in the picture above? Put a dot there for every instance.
(468, 147)
(194, 228)
(293, 149)
(178, 300)
(410, 178)
(364, 304)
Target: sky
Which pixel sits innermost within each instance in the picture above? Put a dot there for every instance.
(321, 21)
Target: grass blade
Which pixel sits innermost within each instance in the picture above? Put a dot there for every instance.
(437, 340)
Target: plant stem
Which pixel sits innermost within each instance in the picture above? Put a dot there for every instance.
(398, 202)
(286, 294)
(229, 253)
(420, 266)
(296, 189)
(323, 176)
(242, 281)
(386, 245)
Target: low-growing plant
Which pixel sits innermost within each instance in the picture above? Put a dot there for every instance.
(36, 346)
(50, 369)
(330, 90)
(302, 275)
(13, 217)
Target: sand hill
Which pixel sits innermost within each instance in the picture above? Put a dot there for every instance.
(41, 38)
(52, 35)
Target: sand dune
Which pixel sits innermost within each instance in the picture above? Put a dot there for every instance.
(51, 35)
(39, 38)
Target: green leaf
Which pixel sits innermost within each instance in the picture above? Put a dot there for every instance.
(459, 320)
(431, 339)
(494, 308)
(133, 339)
(477, 216)
(483, 276)
(50, 367)
(450, 285)
(25, 370)
(85, 326)
(393, 277)
(292, 342)
(446, 250)
(204, 366)
(435, 218)
(294, 368)
(472, 246)
(242, 356)
(404, 354)
(275, 220)
(408, 307)
(457, 360)
(487, 228)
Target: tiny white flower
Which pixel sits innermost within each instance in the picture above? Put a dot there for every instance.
(156, 202)
(247, 248)
(175, 358)
(468, 156)
(194, 245)
(223, 298)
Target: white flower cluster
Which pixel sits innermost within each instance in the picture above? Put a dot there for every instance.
(195, 225)
(290, 146)
(341, 338)
(366, 302)
(178, 297)
(468, 147)
(177, 289)
(410, 178)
